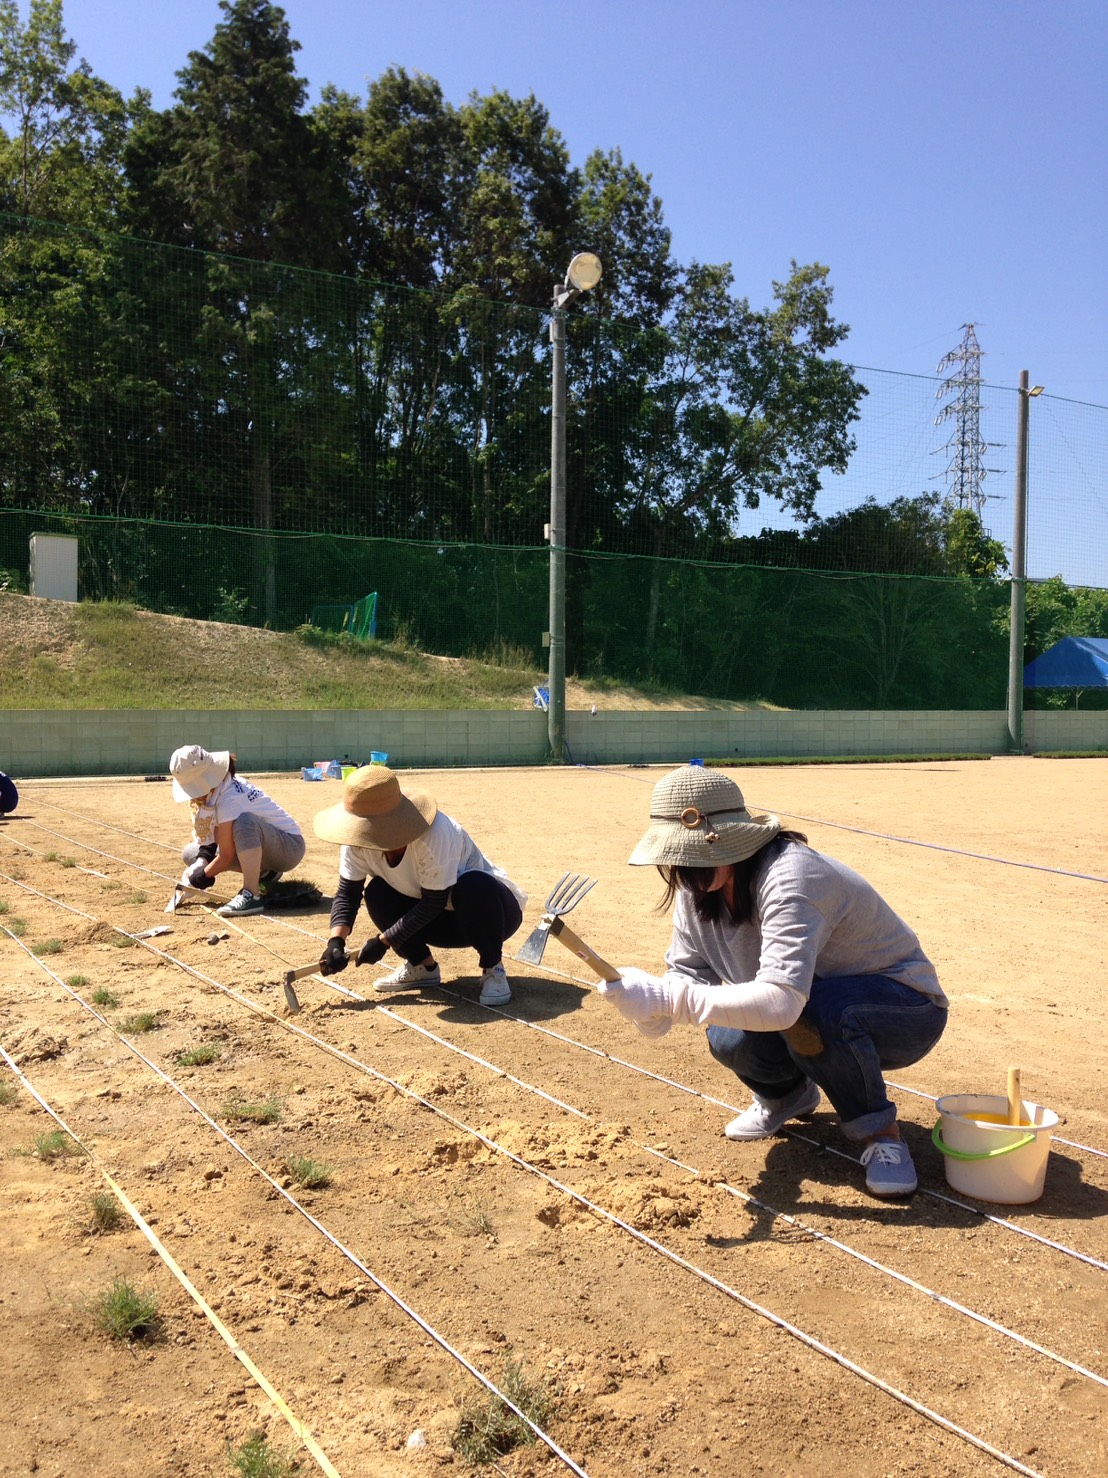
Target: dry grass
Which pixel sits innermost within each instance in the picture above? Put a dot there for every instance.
(106, 655)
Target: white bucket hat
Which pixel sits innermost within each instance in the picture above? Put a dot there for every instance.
(698, 818)
(195, 771)
(374, 812)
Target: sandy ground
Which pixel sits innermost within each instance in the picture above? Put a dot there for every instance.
(539, 1186)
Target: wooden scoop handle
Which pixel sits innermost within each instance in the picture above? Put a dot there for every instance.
(1015, 1106)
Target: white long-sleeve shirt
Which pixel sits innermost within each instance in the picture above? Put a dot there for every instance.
(813, 918)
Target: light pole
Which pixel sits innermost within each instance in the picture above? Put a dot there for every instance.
(583, 274)
(1019, 569)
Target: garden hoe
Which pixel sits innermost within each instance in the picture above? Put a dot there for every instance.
(565, 895)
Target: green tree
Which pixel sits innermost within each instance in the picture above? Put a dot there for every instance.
(237, 168)
(62, 159)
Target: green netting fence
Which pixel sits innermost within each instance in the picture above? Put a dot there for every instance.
(240, 440)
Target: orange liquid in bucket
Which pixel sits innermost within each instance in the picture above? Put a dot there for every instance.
(997, 1119)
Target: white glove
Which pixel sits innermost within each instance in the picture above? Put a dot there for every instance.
(642, 998)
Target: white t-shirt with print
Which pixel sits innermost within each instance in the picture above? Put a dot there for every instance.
(434, 861)
(230, 800)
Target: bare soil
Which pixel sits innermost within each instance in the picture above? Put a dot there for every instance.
(539, 1184)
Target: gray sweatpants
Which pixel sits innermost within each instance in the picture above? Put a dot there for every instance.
(281, 851)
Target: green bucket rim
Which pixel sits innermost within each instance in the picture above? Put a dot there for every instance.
(1005, 1149)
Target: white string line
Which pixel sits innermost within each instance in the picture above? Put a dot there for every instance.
(707, 1098)
(301, 1428)
(762, 1205)
(888, 837)
(883, 836)
(561, 974)
(794, 1330)
(723, 1103)
(319, 1226)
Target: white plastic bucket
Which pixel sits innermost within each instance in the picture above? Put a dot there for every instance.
(989, 1158)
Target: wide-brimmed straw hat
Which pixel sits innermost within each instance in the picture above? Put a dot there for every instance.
(195, 771)
(698, 818)
(374, 812)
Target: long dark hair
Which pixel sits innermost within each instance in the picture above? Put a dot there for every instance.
(708, 906)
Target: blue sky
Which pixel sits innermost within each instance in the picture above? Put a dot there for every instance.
(946, 160)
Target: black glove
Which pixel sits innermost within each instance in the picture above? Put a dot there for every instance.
(198, 878)
(372, 951)
(334, 957)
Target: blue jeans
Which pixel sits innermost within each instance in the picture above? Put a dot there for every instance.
(851, 1028)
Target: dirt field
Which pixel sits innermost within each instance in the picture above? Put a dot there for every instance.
(540, 1187)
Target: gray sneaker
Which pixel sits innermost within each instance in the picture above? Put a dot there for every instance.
(766, 1116)
(889, 1168)
(244, 902)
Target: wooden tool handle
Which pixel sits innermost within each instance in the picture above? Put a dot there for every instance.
(1015, 1107)
(299, 974)
(578, 947)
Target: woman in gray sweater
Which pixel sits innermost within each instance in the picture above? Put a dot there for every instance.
(807, 981)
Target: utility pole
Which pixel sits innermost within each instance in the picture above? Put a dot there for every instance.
(1019, 568)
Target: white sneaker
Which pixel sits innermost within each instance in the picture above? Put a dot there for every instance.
(407, 977)
(495, 990)
(766, 1116)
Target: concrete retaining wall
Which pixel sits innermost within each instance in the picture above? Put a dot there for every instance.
(137, 742)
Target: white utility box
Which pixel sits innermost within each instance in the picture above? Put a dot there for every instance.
(54, 566)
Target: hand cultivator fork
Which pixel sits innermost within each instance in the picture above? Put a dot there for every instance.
(564, 897)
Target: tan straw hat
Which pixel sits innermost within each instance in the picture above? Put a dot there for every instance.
(698, 818)
(195, 771)
(374, 812)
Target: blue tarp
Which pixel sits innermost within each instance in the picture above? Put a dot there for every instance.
(1074, 662)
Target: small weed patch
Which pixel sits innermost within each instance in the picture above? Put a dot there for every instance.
(105, 1212)
(257, 1459)
(138, 896)
(479, 1223)
(75, 982)
(101, 996)
(68, 861)
(239, 1111)
(56, 1144)
(18, 926)
(125, 1312)
(488, 1430)
(7, 1092)
(200, 1056)
(48, 947)
(311, 1175)
(141, 1021)
(122, 941)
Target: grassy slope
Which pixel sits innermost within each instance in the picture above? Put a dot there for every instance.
(102, 655)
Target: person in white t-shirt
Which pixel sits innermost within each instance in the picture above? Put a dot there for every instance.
(424, 881)
(806, 979)
(235, 828)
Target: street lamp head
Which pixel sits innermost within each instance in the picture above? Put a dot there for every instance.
(585, 271)
(1036, 389)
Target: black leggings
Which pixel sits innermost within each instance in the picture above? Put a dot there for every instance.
(484, 914)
